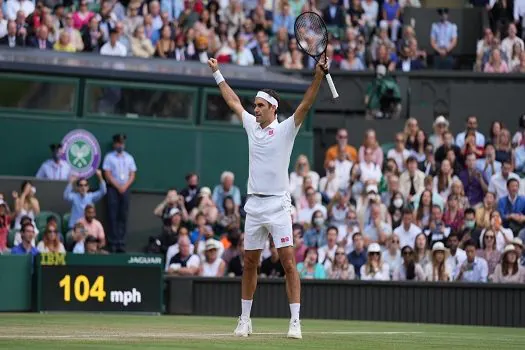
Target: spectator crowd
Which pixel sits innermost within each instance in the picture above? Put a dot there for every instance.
(363, 34)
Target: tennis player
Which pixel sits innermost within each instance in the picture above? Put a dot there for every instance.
(268, 208)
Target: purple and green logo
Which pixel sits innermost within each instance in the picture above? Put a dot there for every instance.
(82, 152)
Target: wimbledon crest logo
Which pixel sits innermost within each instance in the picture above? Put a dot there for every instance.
(82, 152)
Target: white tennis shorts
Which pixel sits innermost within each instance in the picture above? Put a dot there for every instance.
(268, 215)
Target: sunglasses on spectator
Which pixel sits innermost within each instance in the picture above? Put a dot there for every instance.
(491, 237)
(407, 252)
(342, 136)
(374, 253)
(395, 242)
(340, 253)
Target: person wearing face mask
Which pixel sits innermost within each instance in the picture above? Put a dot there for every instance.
(119, 170)
(316, 235)
(54, 168)
(190, 192)
(395, 209)
(469, 230)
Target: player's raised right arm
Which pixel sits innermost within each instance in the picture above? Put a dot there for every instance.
(227, 93)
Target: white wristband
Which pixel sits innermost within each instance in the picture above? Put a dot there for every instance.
(218, 77)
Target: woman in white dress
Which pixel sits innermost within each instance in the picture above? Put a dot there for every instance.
(212, 265)
(302, 169)
(438, 269)
(375, 269)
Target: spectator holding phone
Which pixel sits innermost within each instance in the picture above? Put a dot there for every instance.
(474, 268)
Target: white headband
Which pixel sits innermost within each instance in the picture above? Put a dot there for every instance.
(268, 98)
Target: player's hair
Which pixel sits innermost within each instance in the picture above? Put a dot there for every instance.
(274, 95)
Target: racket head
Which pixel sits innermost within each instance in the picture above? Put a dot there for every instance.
(311, 34)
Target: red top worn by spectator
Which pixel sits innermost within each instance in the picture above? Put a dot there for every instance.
(5, 222)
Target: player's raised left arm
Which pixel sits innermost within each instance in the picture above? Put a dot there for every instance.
(309, 97)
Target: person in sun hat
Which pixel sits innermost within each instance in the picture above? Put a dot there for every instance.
(440, 126)
(438, 269)
(509, 270)
(212, 265)
(375, 269)
(518, 244)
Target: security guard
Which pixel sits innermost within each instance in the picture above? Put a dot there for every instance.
(119, 170)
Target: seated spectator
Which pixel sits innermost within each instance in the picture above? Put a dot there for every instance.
(174, 248)
(64, 43)
(410, 131)
(190, 192)
(347, 230)
(392, 254)
(352, 63)
(82, 16)
(514, 57)
(484, 212)
(517, 69)
(184, 263)
(437, 230)
(302, 169)
(26, 204)
(271, 266)
(392, 186)
(518, 245)
(114, 47)
(329, 185)
(508, 270)
(75, 42)
(424, 209)
(355, 186)
(370, 171)
(27, 236)
(399, 153)
(444, 179)
(408, 270)
(172, 201)
(92, 36)
(496, 64)
(236, 264)
(512, 207)
(411, 181)
(341, 269)
(5, 223)
(338, 209)
(18, 234)
(421, 250)
(375, 269)
(306, 214)
(298, 241)
(484, 45)
(498, 181)
(438, 269)
(407, 231)
(230, 219)
(409, 61)
(447, 145)
(440, 128)
(395, 209)
(488, 166)
(443, 38)
(141, 46)
(381, 57)
(226, 189)
(488, 250)
(41, 41)
(469, 230)
(429, 165)
(212, 265)
(503, 235)
(316, 235)
(327, 252)
(283, 19)
(54, 168)
(82, 197)
(507, 44)
(311, 268)
(453, 215)
(370, 15)
(472, 124)
(370, 142)
(456, 255)
(391, 16)
(15, 37)
(75, 242)
(473, 181)
(50, 243)
(470, 147)
(206, 206)
(474, 268)
(457, 190)
(358, 256)
(377, 230)
(92, 226)
(504, 150)
(92, 245)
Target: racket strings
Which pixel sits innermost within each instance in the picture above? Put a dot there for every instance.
(311, 33)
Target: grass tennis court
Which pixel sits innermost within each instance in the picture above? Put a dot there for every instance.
(93, 331)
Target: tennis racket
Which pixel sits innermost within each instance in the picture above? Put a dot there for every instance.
(312, 37)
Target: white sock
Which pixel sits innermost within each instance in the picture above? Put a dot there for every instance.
(294, 310)
(246, 307)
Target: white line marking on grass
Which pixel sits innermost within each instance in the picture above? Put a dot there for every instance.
(101, 336)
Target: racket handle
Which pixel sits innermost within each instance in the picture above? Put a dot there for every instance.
(332, 86)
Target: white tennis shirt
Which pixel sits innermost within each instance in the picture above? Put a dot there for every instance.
(269, 154)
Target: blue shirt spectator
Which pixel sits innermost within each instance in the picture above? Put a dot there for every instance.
(80, 199)
(488, 168)
(284, 19)
(21, 250)
(54, 168)
(120, 165)
(226, 189)
(173, 7)
(443, 33)
(476, 271)
(315, 237)
(27, 233)
(519, 157)
(512, 203)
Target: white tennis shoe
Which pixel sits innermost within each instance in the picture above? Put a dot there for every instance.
(244, 328)
(295, 330)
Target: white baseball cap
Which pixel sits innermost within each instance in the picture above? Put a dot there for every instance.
(174, 211)
(374, 248)
(441, 120)
(371, 188)
(438, 246)
(212, 244)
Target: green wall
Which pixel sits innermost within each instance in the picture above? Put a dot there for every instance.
(15, 283)
(164, 152)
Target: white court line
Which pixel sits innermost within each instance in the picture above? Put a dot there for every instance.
(106, 336)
